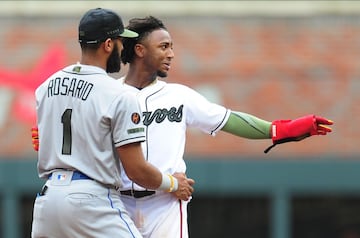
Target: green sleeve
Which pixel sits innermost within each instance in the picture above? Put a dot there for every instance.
(247, 126)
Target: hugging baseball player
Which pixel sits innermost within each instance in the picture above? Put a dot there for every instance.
(88, 126)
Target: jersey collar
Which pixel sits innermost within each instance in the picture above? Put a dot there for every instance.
(84, 69)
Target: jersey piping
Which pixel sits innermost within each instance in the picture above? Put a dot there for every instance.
(147, 131)
(129, 139)
(222, 123)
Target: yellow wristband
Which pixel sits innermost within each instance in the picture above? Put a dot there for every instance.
(171, 183)
(168, 183)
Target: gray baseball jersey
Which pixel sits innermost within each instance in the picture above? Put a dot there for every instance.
(82, 113)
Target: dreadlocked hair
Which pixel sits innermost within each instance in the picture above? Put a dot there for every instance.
(142, 26)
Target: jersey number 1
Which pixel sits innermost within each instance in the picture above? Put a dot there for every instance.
(66, 121)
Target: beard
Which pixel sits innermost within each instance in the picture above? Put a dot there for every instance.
(113, 64)
(161, 74)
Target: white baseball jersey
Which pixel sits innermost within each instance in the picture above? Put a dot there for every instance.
(167, 110)
(82, 114)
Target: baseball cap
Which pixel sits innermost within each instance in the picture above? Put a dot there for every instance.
(99, 24)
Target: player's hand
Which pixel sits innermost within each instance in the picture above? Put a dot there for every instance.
(283, 131)
(185, 186)
(35, 138)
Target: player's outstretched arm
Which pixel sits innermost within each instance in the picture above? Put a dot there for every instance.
(280, 131)
(147, 175)
(247, 126)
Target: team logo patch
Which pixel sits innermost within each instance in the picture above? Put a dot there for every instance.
(136, 130)
(76, 69)
(61, 177)
(135, 117)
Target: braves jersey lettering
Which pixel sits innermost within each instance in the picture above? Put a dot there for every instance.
(69, 87)
(173, 115)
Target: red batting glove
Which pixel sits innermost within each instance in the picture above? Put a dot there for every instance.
(283, 131)
(35, 138)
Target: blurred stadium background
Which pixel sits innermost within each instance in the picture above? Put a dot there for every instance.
(273, 59)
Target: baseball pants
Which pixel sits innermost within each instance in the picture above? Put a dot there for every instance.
(158, 216)
(82, 208)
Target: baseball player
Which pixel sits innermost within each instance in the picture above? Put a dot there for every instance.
(87, 121)
(168, 110)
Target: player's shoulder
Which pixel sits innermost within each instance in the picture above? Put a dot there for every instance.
(44, 85)
(181, 89)
(79, 71)
(175, 86)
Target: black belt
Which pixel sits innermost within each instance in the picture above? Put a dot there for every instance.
(137, 194)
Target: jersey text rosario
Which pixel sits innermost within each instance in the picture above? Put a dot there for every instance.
(69, 87)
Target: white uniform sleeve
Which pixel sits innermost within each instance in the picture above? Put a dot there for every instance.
(208, 117)
(126, 123)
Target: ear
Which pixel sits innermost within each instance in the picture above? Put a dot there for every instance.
(108, 45)
(139, 50)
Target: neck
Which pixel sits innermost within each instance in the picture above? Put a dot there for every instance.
(92, 59)
(139, 78)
